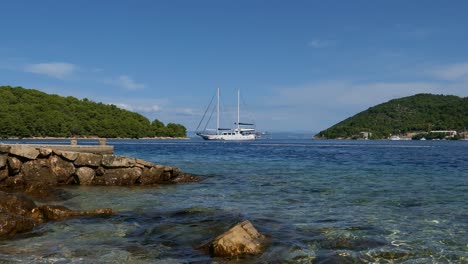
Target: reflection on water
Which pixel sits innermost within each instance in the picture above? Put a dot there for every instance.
(318, 201)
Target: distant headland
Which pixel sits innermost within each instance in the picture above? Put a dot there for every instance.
(28, 113)
(421, 116)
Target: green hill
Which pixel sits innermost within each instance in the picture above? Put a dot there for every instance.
(31, 113)
(418, 113)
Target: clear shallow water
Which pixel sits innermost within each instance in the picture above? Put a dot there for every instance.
(318, 201)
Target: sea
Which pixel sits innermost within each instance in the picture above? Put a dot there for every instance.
(317, 201)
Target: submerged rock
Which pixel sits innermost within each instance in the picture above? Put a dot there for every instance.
(241, 239)
(60, 213)
(20, 214)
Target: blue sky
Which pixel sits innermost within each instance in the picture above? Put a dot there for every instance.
(300, 65)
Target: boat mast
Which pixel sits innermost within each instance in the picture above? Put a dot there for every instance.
(217, 114)
(238, 111)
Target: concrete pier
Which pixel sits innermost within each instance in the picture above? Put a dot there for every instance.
(95, 149)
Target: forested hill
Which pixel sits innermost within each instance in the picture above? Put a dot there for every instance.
(31, 113)
(421, 112)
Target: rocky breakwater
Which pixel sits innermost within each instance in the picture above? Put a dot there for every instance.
(36, 171)
(23, 167)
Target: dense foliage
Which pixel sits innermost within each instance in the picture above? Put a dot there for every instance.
(421, 112)
(31, 113)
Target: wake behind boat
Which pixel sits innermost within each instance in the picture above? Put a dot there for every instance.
(242, 131)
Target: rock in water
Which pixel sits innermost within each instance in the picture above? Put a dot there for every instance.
(241, 239)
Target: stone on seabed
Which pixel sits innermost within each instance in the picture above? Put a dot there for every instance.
(241, 239)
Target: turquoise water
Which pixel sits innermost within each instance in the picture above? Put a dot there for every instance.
(318, 201)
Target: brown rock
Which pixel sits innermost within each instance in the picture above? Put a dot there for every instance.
(241, 239)
(45, 152)
(144, 163)
(45, 193)
(122, 176)
(151, 175)
(14, 182)
(185, 178)
(100, 171)
(24, 151)
(68, 155)
(88, 159)
(4, 148)
(85, 175)
(13, 224)
(99, 180)
(17, 204)
(3, 174)
(112, 161)
(38, 172)
(14, 165)
(3, 161)
(60, 213)
(61, 168)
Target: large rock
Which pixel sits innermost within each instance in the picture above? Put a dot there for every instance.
(20, 214)
(60, 213)
(3, 174)
(17, 204)
(14, 165)
(151, 175)
(85, 175)
(4, 148)
(144, 163)
(38, 172)
(24, 151)
(112, 161)
(61, 168)
(45, 152)
(122, 176)
(15, 182)
(241, 239)
(88, 159)
(68, 155)
(13, 224)
(3, 161)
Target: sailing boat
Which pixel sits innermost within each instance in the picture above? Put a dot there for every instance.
(242, 131)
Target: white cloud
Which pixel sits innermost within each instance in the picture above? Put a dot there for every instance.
(317, 43)
(140, 108)
(185, 111)
(127, 82)
(452, 72)
(59, 70)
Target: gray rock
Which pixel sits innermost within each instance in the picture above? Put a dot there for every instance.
(112, 161)
(122, 176)
(88, 159)
(85, 175)
(24, 151)
(61, 168)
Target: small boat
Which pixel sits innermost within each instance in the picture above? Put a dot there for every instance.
(242, 131)
(395, 138)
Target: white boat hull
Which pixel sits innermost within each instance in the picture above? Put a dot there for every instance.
(235, 137)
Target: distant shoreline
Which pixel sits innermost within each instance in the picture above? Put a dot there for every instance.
(96, 138)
